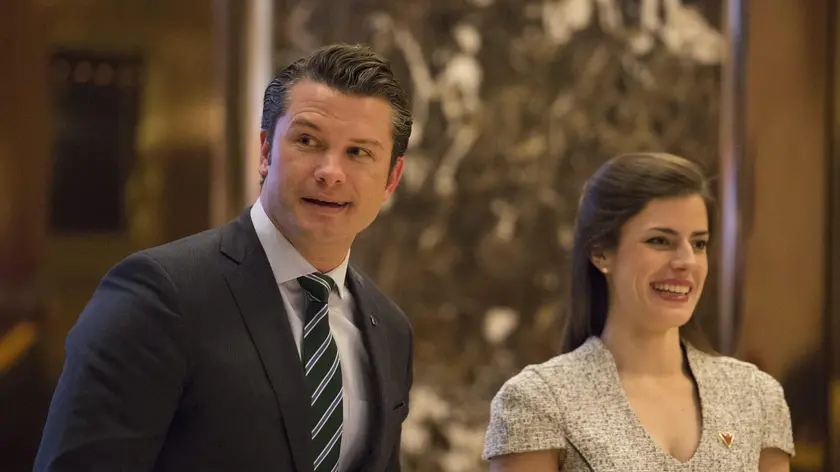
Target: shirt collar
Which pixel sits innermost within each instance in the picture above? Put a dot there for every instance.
(286, 262)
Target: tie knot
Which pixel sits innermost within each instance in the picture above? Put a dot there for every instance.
(317, 285)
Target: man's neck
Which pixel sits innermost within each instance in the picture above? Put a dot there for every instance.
(321, 259)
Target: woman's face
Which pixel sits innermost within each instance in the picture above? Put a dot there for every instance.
(656, 274)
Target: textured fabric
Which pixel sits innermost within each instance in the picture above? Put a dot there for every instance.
(322, 367)
(575, 402)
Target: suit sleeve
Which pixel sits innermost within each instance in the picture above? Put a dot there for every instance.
(125, 366)
(394, 460)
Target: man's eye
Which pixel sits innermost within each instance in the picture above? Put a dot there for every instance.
(357, 151)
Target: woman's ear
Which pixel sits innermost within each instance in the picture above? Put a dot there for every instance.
(600, 261)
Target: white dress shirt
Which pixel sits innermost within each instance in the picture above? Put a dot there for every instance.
(287, 265)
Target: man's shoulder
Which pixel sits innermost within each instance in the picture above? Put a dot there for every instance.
(203, 241)
(187, 250)
(195, 254)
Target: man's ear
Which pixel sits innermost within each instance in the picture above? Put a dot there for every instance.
(394, 177)
(265, 153)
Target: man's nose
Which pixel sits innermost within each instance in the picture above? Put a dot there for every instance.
(330, 170)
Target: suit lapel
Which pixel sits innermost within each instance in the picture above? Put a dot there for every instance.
(376, 343)
(261, 306)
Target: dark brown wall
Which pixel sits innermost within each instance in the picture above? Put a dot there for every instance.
(784, 300)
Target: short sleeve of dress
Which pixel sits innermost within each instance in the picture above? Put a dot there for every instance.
(777, 430)
(523, 417)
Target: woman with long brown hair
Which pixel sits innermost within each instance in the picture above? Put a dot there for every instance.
(637, 388)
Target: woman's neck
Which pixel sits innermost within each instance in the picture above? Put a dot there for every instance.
(644, 353)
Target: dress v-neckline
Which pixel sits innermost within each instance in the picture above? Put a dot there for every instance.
(634, 424)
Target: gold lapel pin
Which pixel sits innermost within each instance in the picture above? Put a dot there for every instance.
(727, 438)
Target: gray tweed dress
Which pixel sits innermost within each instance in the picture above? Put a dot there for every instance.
(575, 402)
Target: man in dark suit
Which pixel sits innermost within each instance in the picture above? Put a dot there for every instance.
(255, 346)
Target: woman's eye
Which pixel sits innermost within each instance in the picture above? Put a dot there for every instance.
(657, 241)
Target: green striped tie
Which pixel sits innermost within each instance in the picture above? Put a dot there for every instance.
(323, 373)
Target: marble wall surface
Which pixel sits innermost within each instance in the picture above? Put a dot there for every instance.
(516, 103)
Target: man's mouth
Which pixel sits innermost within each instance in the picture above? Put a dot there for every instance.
(326, 203)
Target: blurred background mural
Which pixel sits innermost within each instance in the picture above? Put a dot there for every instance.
(128, 124)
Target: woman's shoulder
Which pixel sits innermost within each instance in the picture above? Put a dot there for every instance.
(736, 373)
(526, 414)
(536, 380)
(751, 394)
(560, 373)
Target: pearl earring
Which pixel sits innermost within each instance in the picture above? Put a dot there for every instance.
(604, 270)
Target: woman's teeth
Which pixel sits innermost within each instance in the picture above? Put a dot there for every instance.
(671, 288)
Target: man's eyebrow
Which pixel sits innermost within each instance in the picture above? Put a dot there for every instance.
(370, 142)
(304, 123)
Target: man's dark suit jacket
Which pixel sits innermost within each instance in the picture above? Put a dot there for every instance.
(184, 361)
